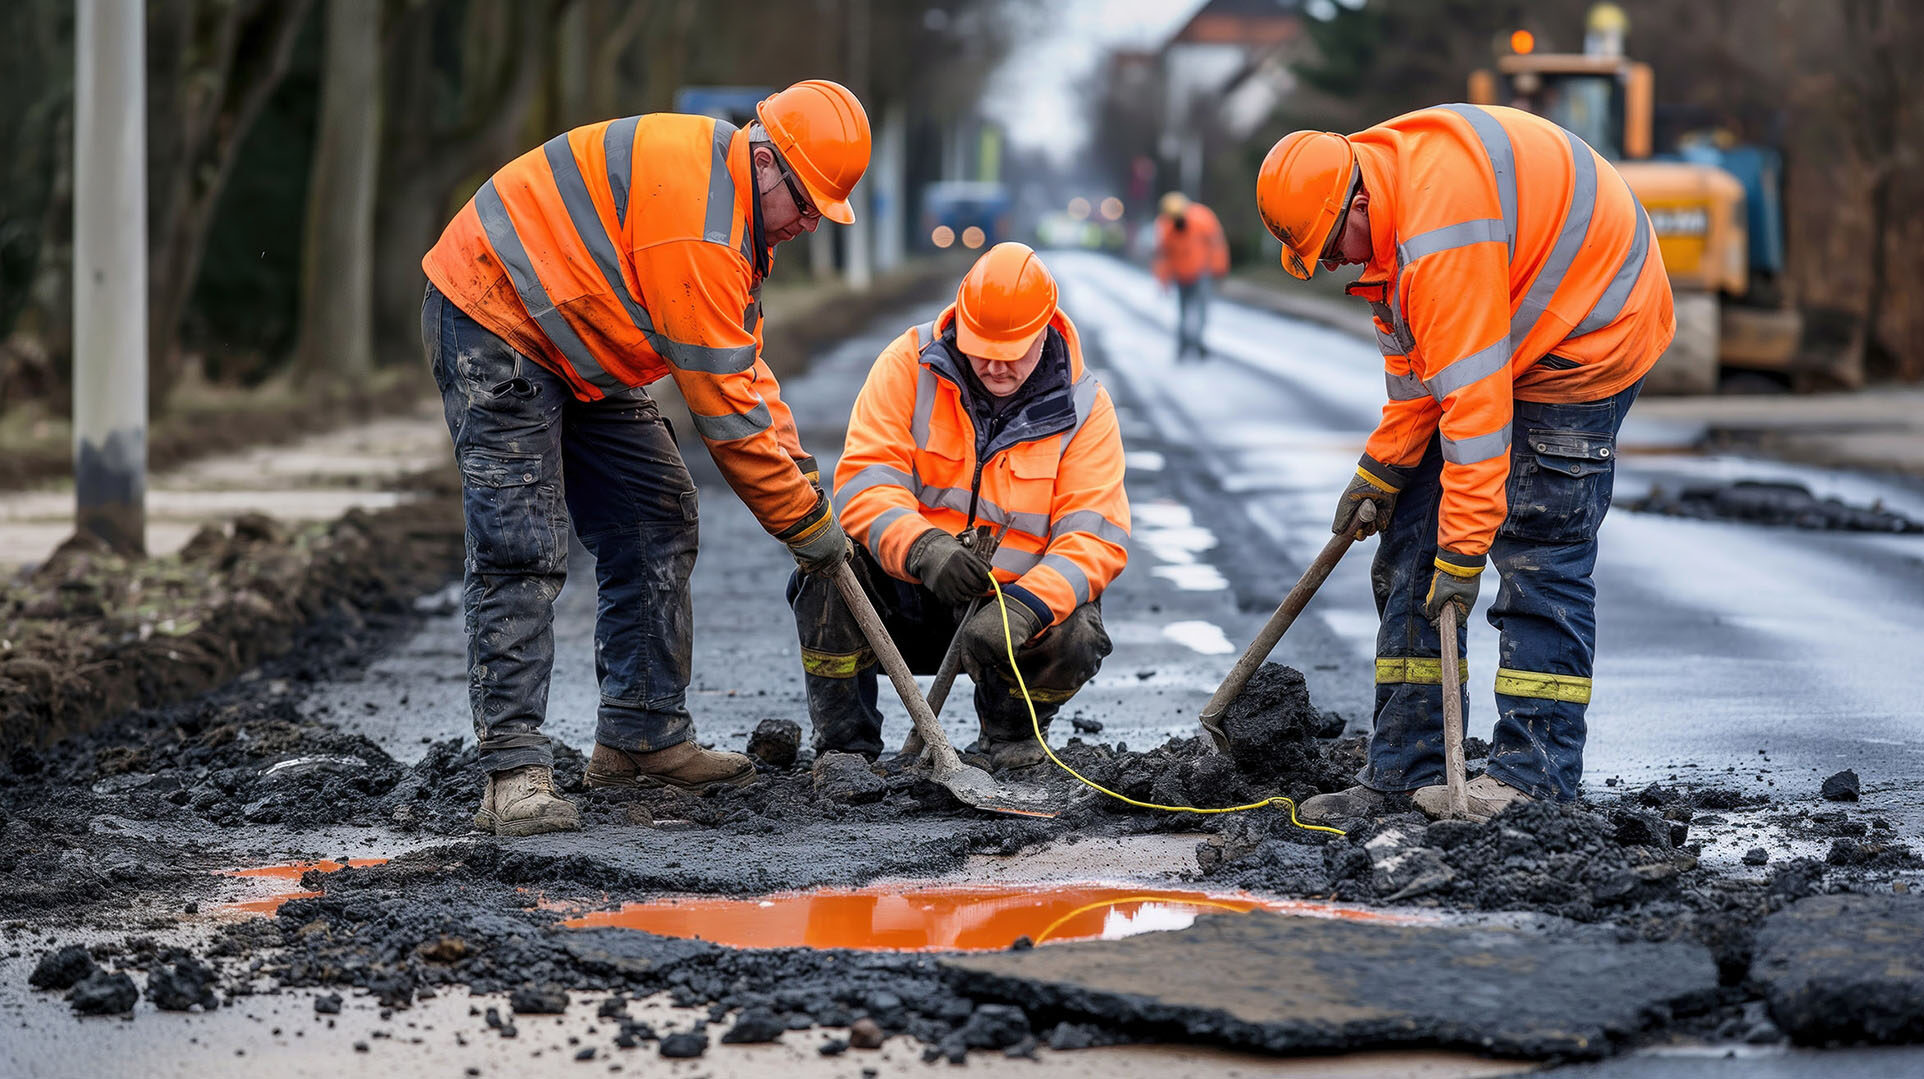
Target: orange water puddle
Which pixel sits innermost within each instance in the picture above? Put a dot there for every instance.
(955, 918)
(292, 871)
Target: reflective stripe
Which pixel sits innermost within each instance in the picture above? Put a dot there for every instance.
(836, 664)
(1416, 670)
(1563, 254)
(719, 224)
(1449, 237)
(1387, 342)
(618, 145)
(1078, 580)
(1015, 561)
(594, 236)
(924, 407)
(1475, 367)
(957, 499)
(1468, 451)
(1610, 304)
(587, 223)
(1404, 387)
(1568, 688)
(880, 526)
(534, 296)
(704, 358)
(1044, 696)
(871, 476)
(1496, 146)
(734, 425)
(1092, 522)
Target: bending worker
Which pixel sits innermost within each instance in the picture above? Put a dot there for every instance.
(1190, 254)
(613, 255)
(981, 423)
(1519, 300)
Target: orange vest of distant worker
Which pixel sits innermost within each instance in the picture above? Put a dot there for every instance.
(1053, 475)
(623, 251)
(1510, 262)
(1198, 248)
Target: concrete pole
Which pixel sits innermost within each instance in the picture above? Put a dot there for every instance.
(110, 273)
(888, 174)
(858, 262)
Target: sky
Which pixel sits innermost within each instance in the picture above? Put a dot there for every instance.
(1035, 93)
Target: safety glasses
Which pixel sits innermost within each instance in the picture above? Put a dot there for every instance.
(796, 191)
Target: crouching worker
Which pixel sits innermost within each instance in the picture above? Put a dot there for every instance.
(983, 422)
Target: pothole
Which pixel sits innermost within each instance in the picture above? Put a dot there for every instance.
(281, 876)
(949, 918)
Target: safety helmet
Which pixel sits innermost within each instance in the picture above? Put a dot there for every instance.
(1174, 203)
(1302, 188)
(821, 130)
(1005, 302)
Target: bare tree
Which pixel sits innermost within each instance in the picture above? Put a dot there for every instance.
(212, 64)
(337, 278)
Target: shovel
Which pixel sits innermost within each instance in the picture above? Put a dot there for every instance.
(1273, 630)
(1454, 770)
(968, 783)
(952, 659)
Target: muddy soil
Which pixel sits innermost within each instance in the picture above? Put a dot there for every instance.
(475, 912)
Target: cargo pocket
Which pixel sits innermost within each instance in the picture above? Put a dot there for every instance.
(1559, 485)
(513, 506)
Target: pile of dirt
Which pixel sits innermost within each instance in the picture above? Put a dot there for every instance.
(92, 635)
(1771, 503)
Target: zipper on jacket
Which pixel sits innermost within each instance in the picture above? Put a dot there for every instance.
(996, 423)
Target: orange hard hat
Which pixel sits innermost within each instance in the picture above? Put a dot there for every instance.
(1302, 188)
(821, 130)
(1005, 302)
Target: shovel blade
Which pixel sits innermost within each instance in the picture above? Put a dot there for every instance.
(975, 787)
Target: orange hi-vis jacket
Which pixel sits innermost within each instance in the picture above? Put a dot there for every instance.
(1198, 249)
(1049, 468)
(1510, 262)
(623, 251)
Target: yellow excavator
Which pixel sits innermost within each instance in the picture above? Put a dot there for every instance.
(1716, 206)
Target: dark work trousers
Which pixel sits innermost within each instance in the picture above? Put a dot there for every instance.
(533, 456)
(1562, 467)
(1192, 313)
(839, 668)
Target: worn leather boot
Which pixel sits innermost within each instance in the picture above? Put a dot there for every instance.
(522, 801)
(1004, 756)
(1355, 803)
(1488, 796)
(684, 765)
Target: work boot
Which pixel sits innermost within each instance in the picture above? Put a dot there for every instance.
(1004, 756)
(1488, 796)
(522, 801)
(684, 765)
(1355, 803)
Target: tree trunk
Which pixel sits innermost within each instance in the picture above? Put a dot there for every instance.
(424, 165)
(212, 64)
(337, 279)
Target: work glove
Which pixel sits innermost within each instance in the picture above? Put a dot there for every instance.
(985, 647)
(820, 545)
(953, 572)
(1373, 485)
(1454, 582)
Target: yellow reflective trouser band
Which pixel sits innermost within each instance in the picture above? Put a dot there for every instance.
(1550, 687)
(1416, 670)
(836, 664)
(1045, 696)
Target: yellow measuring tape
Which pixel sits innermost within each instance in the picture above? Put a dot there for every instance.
(1035, 724)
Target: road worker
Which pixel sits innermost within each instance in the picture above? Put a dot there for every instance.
(983, 423)
(1190, 254)
(610, 256)
(1519, 300)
